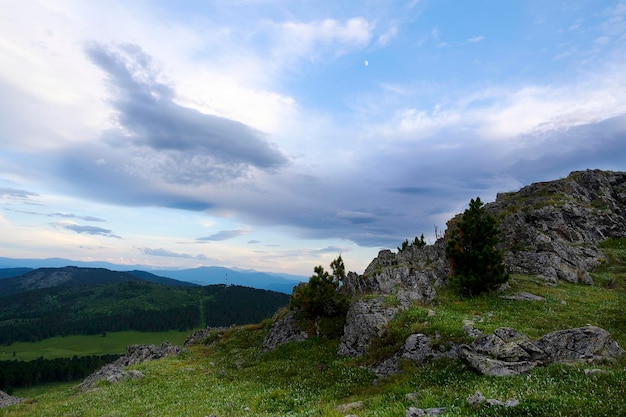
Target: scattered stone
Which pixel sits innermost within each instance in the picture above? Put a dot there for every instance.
(7, 400)
(592, 372)
(357, 405)
(523, 296)
(431, 313)
(412, 396)
(418, 412)
(478, 399)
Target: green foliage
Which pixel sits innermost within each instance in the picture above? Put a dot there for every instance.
(417, 242)
(132, 305)
(320, 297)
(476, 265)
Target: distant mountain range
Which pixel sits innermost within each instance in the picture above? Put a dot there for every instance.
(10, 267)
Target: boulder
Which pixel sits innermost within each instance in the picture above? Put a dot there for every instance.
(366, 318)
(7, 400)
(588, 344)
(507, 352)
(284, 329)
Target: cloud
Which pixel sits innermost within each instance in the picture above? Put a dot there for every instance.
(386, 37)
(170, 254)
(175, 143)
(13, 193)
(476, 39)
(224, 235)
(74, 216)
(320, 38)
(62, 215)
(89, 230)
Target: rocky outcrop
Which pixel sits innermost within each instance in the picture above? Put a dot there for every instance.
(284, 329)
(552, 229)
(7, 400)
(391, 283)
(115, 372)
(507, 352)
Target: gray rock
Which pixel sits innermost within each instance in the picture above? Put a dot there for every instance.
(357, 405)
(7, 400)
(551, 229)
(588, 344)
(523, 296)
(507, 352)
(366, 318)
(284, 330)
(478, 399)
(418, 412)
(115, 372)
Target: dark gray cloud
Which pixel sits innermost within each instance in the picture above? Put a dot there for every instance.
(150, 118)
(224, 235)
(89, 230)
(170, 254)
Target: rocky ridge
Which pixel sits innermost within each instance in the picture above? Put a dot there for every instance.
(549, 229)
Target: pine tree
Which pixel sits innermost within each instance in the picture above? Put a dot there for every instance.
(475, 263)
(319, 297)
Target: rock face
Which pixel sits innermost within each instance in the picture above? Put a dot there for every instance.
(115, 372)
(7, 400)
(391, 283)
(551, 229)
(507, 352)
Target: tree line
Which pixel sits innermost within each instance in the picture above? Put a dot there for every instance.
(146, 307)
(18, 374)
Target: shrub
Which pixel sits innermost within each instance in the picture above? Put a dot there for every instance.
(476, 265)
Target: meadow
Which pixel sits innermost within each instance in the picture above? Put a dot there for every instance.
(232, 376)
(79, 345)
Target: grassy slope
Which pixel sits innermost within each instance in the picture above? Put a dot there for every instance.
(68, 346)
(234, 377)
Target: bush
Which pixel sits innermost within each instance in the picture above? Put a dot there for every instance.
(476, 265)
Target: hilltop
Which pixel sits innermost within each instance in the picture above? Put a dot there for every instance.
(409, 342)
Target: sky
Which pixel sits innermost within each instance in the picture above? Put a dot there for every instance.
(276, 135)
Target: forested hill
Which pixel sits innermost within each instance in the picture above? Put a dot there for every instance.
(72, 276)
(62, 301)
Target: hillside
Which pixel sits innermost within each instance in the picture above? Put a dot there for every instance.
(60, 301)
(403, 348)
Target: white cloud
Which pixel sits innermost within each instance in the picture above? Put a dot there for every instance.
(387, 36)
(319, 38)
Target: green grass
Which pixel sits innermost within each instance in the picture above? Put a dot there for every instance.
(68, 346)
(234, 377)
